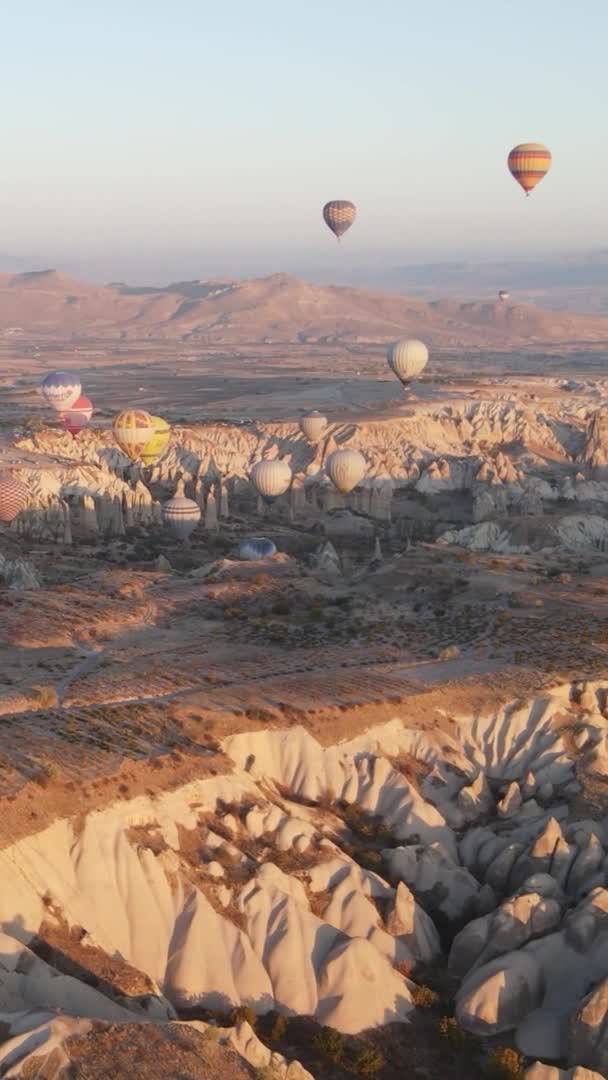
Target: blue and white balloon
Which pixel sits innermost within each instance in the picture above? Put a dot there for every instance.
(255, 548)
(61, 389)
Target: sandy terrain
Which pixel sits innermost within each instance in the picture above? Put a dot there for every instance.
(378, 758)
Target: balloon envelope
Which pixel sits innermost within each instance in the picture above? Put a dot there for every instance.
(61, 389)
(159, 441)
(503, 295)
(345, 469)
(13, 497)
(407, 358)
(313, 425)
(256, 547)
(181, 515)
(271, 478)
(133, 430)
(528, 163)
(339, 215)
(76, 418)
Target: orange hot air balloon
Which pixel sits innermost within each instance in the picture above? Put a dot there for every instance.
(339, 215)
(528, 163)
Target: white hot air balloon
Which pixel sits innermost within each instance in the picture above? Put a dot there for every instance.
(180, 514)
(346, 468)
(270, 479)
(503, 295)
(407, 358)
(313, 425)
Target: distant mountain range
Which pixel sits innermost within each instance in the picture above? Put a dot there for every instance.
(574, 282)
(273, 310)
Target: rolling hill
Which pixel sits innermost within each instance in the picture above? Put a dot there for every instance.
(275, 309)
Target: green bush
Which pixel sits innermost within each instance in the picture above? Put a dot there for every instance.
(450, 1030)
(243, 1013)
(330, 1044)
(279, 1027)
(424, 997)
(369, 1060)
(504, 1064)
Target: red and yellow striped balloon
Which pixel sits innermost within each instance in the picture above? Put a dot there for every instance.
(528, 163)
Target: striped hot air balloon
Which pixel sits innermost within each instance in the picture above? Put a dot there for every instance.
(180, 514)
(158, 443)
(61, 389)
(339, 215)
(271, 479)
(407, 358)
(313, 425)
(13, 497)
(528, 163)
(133, 429)
(345, 469)
(76, 418)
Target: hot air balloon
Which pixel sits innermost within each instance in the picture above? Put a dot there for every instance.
(313, 425)
(180, 514)
(528, 163)
(157, 444)
(270, 479)
(503, 295)
(407, 358)
(255, 548)
(76, 418)
(13, 497)
(339, 215)
(345, 469)
(133, 429)
(61, 389)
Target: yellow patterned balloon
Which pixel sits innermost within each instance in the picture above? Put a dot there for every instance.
(133, 429)
(158, 443)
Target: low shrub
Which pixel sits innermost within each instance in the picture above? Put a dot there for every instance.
(330, 1044)
(424, 997)
(451, 1032)
(504, 1064)
(278, 1028)
(369, 1060)
(243, 1013)
(47, 697)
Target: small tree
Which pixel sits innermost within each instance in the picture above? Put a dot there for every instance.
(369, 1060)
(504, 1063)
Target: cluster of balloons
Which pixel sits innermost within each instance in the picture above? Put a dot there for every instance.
(144, 437)
(141, 436)
(407, 359)
(62, 390)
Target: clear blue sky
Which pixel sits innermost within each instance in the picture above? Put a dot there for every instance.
(144, 133)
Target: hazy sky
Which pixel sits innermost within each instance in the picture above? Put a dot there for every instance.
(143, 139)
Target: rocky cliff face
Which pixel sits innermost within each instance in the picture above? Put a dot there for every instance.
(213, 894)
(482, 461)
